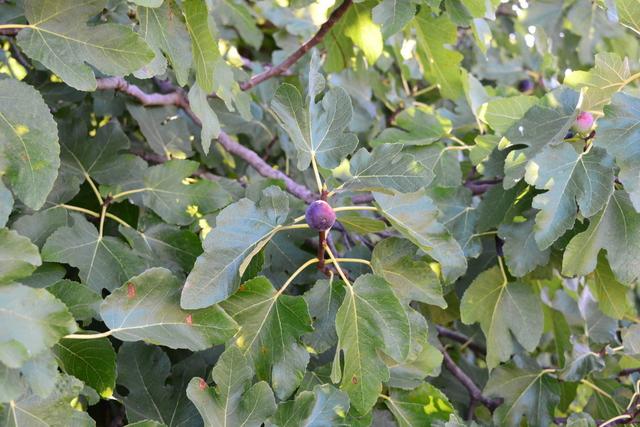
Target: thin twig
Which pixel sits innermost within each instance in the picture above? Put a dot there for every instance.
(474, 391)
(301, 51)
(461, 338)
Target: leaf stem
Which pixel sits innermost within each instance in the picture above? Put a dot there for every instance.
(128, 192)
(630, 79)
(458, 141)
(354, 260)
(336, 263)
(292, 227)
(457, 147)
(316, 173)
(94, 214)
(424, 90)
(596, 388)
(79, 209)
(88, 336)
(103, 214)
(486, 233)
(14, 26)
(355, 208)
(502, 270)
(94, 188)
(296, 274)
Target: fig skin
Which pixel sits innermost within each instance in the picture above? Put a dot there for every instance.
(584, 122)
(320, 216)
(525, 86)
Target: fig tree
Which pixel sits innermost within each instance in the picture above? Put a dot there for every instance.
(320, 216)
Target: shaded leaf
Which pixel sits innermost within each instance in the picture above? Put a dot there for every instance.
(233, 401)
(393, 15)
(92, 361)
(526, 392)
(323, 300)
(104, 262)
(617, 230)
(27, 332)
(612, 296)
(156, 391)
(166, 132)
(544, 124)
(164, 245)
(617, 133)
(414, 126)
(324, 406)
(174, 198)
(242, 229)
(270, 328)
(6, 204)
(574, 179)
(422, 406)
(502, 113)
(82, 301)
(56, 408)
(370, 319)
(503, 308)
(386, 167)
(147, 308)
(521, 252)
(411, 280)
(317, 130)
(18, 256)
(415, 216)
(29, 149)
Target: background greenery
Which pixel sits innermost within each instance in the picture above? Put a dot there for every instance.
(157, 156)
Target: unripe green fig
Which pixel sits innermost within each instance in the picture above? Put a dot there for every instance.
(320, 216)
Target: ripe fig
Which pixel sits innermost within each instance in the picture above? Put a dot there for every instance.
(320, 216)
(584, 122)
(525, 85)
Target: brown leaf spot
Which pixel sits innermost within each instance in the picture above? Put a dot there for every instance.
(354, 380)
(189, 320)
(131, 290)
(202, 384)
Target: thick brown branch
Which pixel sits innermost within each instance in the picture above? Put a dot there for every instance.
(474, 391)
(300, 52)
(179, 99)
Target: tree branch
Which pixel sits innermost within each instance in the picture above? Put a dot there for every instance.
(179, 99)
(474, 391)
(461, 338)
(301, 51)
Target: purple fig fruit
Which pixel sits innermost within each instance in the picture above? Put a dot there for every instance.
(584, 122)
(525, 85)
(320, 216)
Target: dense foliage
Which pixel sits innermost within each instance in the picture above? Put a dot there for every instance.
(469, 255)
